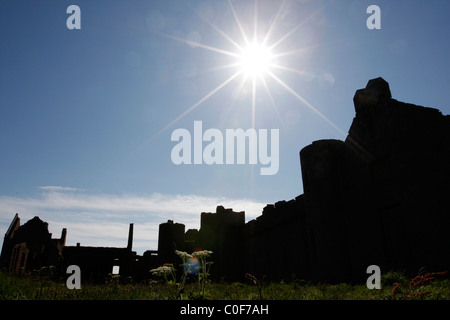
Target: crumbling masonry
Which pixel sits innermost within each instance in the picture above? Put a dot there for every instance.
(378, 198)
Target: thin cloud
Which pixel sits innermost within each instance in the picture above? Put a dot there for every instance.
(58, 188)
(103, 219)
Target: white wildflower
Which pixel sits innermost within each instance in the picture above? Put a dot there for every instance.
(162, 271)
(183, 255)
(202, 254)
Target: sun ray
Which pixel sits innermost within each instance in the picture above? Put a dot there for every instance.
(195, 105)
(274, 22)
(305, 102)
(218, 68)
(293, 30)
(253, 100)
(300, 72)
(235, 97)
(272, 101)
(221, 32)
(197, 44)
(238, 22)
(287, 35)
(291, 52)
(306, 49)
(255, 22)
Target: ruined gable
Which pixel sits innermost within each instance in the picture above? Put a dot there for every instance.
(30, 246)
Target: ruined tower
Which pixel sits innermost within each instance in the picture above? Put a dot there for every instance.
(170, 238)
(221, 233)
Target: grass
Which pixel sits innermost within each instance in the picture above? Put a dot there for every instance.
(42, 287)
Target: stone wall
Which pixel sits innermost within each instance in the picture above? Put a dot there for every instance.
(275, 242)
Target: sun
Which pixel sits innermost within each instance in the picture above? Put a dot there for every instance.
(255, 59)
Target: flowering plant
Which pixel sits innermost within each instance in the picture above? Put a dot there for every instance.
(162, 271)
(193, 264)
(203, 270)
(415, 289)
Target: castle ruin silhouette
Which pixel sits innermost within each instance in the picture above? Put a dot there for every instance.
(381, 197)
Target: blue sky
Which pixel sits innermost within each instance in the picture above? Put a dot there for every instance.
(86, 115)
